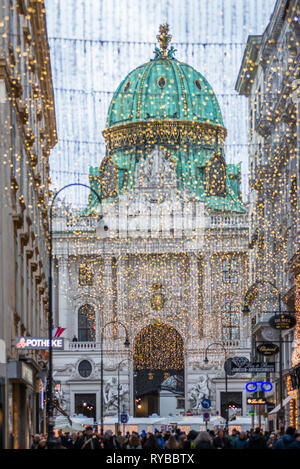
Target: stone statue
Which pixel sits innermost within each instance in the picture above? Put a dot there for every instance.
(156, 171)
(199, 391)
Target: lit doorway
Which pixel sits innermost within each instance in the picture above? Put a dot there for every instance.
(85, 404)
(158, 370)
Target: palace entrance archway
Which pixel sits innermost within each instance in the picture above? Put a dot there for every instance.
(158, 370)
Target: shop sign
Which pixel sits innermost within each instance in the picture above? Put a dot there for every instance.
(38, 343)
(254, 367)
(27, 373)
(267, 348)
(282, 321)
(253, 386)
(256, 401)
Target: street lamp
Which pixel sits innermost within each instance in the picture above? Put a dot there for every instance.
(247, 310)
(119, 364)
(50, 419)
(127, 344)
(226, 379)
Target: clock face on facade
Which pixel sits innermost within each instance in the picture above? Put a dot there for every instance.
(109, 178)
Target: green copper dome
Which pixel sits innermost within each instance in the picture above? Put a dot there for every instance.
(167, 104)
(164, 89)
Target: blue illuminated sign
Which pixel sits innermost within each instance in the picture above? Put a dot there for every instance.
(206, 403)
(264, 386)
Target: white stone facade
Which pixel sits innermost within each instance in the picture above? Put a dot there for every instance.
(155, 236)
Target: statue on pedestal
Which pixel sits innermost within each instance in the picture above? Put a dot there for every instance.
(199, 391)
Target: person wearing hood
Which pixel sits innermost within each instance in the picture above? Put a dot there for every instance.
(191, 439)
(296, 442)
(286, 440)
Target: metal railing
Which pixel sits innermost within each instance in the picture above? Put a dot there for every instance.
(227, 221)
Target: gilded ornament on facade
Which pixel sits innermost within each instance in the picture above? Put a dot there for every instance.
(158, 299)
(164, 38)
(170, 132)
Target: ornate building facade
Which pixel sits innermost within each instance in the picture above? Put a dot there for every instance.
(269, 77)
(28, 132)
(167, 264)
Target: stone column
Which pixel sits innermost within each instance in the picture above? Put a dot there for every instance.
(206, 298)
(120, 287)
(65, 319)
(107, 298)
(194, 291)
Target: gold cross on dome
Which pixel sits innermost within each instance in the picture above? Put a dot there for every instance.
(164, 38)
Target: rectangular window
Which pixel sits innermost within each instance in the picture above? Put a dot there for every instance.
(86, 276)
(229, 269)
(230, 324)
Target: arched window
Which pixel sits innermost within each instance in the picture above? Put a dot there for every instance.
(86, 324)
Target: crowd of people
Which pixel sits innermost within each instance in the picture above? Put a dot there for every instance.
(173, 440)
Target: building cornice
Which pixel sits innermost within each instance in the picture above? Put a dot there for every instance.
(163, 131)
(249, 66)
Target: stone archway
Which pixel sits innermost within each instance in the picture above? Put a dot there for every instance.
(158, 368)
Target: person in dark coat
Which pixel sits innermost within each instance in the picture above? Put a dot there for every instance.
(110, 441)
(221, 441)
(190, 443)
(89, 440)
(35, 441)
(286, 440)
(73, 441)
(296, 443)
(151, 442)
(257, 440)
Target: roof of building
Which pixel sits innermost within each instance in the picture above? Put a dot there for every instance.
(164, 89)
